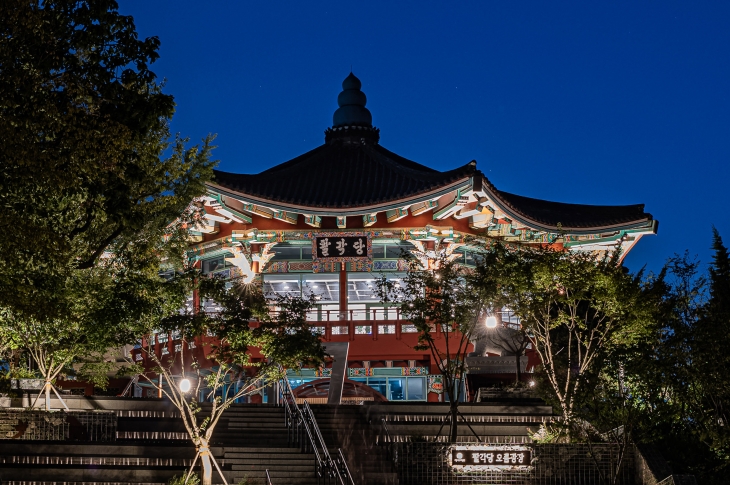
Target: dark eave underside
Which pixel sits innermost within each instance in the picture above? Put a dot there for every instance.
(335, 176)
(573, 215)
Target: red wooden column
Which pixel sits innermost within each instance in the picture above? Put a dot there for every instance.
(343, 291)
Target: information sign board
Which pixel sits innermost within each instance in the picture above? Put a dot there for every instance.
(490, 457)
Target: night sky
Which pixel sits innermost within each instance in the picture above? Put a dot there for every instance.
(617, 103)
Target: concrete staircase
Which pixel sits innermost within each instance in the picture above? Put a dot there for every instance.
(347, 428)
(494, 422)
(249, 440)
(285, 465)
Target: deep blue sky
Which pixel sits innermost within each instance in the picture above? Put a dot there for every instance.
(612, 103)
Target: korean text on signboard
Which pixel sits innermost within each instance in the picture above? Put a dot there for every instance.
(327, 247)
(482, 457)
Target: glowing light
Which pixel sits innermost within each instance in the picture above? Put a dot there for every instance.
(491, 321)
(185, 385)
(532, 383)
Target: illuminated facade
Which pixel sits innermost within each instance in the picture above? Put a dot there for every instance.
(334, 219)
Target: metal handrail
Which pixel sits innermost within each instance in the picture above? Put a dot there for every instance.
(268, 478)
(387, 432)
(325, 467)
(333, 468)
(343, 468)
(293, 417)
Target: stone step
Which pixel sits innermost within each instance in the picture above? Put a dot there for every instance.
(270, 461)
(293, 469)
(234, 477)
(261, 472)
(259, 449)
(267, 456)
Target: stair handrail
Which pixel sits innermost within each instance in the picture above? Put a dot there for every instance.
(309, 416)
(387, 432)
(291, 412)
(305, 416)
(268, 478)
(333, 465)
(343, 468)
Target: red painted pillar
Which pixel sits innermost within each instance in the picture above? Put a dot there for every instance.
(343, 291)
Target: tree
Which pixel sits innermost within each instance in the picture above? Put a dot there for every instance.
(576, 307)
(83, 127)
(713, 336)
(437, 296)
(111, 306)
(669, 376)
(93, 190)
(287, 341)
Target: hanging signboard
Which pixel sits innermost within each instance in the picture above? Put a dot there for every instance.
(467, 458)
(329, 248)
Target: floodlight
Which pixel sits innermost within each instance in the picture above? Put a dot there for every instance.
(491, 321)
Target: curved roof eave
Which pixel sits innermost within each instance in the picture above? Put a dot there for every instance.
(342, 211)
(646, 222)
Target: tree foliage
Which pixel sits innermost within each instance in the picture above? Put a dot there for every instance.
(83, 127)
(94, 191)
(576, 308)
(439, 298)
(677, 379)
(241, 321)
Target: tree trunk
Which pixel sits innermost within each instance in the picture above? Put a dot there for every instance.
(48, 396)
(205, 462)
(454, 423)
(207, 469)
(519, 371)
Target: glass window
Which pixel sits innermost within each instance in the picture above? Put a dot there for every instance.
(295, 382)
(284, 252)
(277, 284)
(378, 251)
(380, 384)
(416, 388)
(386, 329)
(340, 330)
(395, 389)
(361, 288)
(363, 329)
(325, 287)
(211, 265)
(393, 251)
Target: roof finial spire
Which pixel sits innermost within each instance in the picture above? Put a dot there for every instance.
(352, 122)
(352, 110)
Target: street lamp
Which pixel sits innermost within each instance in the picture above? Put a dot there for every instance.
(491, 321)
(184, 385)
